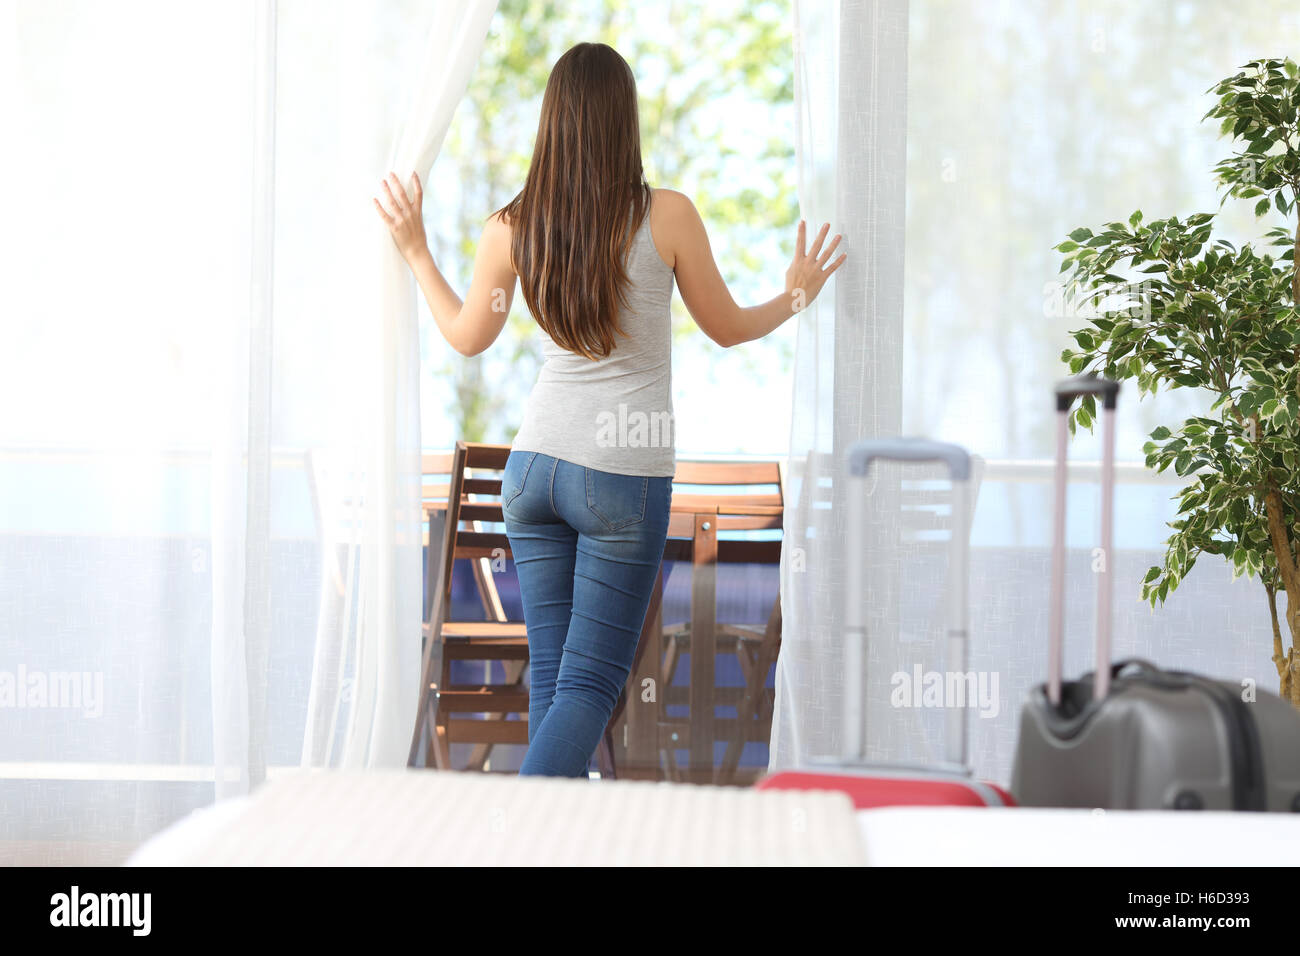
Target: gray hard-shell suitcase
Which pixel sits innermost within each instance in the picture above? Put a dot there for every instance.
(1133, 736)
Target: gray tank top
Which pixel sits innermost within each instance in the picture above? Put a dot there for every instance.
(614, 414)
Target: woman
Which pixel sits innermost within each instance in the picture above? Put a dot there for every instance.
(587, 486)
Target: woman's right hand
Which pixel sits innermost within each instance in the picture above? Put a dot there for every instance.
(809, 271)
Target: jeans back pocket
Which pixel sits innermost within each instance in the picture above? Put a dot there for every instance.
(514, 475)
(617, 500)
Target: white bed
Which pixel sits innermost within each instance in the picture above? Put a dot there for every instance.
(426, 818)
(407, 817)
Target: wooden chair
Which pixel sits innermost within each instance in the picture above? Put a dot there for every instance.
(473, 499)
(697, 534)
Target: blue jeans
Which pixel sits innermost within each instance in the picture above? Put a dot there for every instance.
(587, 546)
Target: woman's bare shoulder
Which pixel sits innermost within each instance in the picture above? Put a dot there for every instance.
(673, 222)
(671, 201)
(497, 239)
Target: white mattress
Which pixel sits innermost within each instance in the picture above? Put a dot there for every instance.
(420, 817)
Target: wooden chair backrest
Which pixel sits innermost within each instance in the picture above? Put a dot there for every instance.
(467, 488)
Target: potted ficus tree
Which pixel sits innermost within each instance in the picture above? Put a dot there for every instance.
(1168, 304)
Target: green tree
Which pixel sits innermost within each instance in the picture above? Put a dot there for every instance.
(697, 66)
(1206, 315)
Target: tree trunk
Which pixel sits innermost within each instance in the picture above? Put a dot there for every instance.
(1280, 538)
(1293, 658)
(1281, 659)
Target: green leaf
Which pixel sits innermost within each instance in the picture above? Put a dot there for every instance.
(1262, 206)
(1161, 433)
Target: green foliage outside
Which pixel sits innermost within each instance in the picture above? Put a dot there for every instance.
(1173, 306)
(711, 78)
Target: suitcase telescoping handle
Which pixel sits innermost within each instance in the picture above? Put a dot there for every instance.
(1066, 392)
(905, 449)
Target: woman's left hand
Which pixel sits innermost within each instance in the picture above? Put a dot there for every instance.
(403, 215)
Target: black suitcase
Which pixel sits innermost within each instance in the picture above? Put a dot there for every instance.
(1132, 736)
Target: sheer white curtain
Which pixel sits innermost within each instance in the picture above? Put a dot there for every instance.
(851, 109)
(210, 539)
(1024, 120)
(372, 600)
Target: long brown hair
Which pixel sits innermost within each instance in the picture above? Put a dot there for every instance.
(583, 200)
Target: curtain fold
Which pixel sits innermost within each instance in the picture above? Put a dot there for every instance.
(241, 459)
(376, 466)
(210, 521)
(851, 139)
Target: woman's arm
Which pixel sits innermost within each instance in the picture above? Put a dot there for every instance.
(706, 294)
(470, 326)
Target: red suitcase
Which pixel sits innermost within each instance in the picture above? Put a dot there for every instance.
(880, 785)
